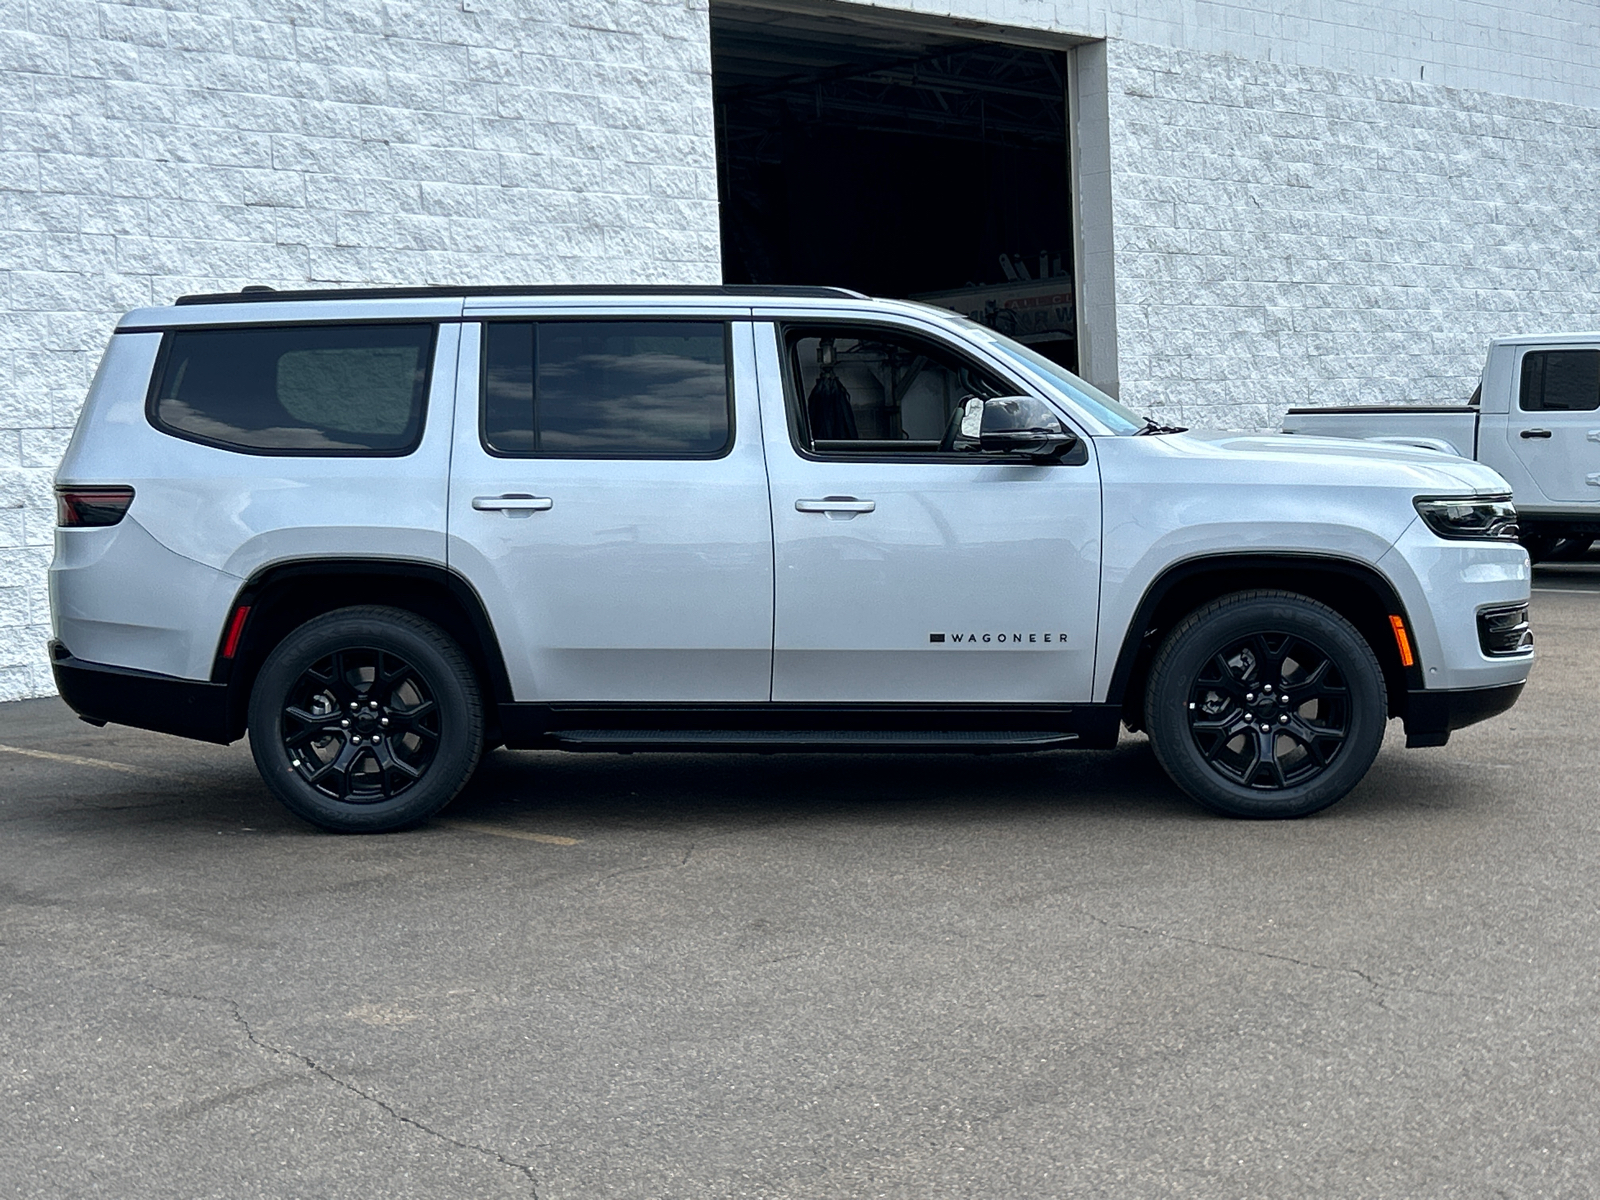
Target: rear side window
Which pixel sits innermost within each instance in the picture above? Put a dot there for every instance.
(607, 389)
(1560, 380)
(296, 389)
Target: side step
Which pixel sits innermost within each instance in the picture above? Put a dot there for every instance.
(821, 740)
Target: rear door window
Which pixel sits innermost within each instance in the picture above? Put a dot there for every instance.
(607, 389)
(1560, 381)
(296, 389)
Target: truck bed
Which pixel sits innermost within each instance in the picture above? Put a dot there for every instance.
(1450, 428)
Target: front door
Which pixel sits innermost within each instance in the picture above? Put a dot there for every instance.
(911, 566)
(1554, 429)
(608, 501)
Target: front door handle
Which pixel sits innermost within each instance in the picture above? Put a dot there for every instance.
(1533, 433)
(838, 508)
(519, 502)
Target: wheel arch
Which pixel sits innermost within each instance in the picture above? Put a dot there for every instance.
(285, 595)
(1355, 590)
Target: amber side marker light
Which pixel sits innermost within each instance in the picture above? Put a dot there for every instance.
(1402, 641)
(230, 644)
(88, 507)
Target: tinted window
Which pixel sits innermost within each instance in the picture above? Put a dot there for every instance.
(873, 391)
(304, 389)
(607, 389)
(1560, 380)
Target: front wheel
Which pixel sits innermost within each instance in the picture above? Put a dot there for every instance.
(1265, 704)
(365, 720)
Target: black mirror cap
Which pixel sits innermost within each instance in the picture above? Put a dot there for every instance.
(1024, 425)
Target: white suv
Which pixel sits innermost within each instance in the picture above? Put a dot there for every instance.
(384, 530)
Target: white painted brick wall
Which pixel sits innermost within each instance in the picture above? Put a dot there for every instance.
(147, 150)
(1543, 51)
(1291, 235)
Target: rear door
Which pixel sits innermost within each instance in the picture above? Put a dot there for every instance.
(608, 500)
(1554, 430)
(911, 567)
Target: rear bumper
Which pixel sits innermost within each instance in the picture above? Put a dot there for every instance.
(191, 708)
(1432, 715)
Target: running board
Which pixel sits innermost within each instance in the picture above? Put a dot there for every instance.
(822, 740)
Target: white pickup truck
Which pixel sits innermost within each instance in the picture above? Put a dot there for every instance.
(1535, 419)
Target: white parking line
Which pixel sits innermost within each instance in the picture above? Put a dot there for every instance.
(79, 761)
(549, 839)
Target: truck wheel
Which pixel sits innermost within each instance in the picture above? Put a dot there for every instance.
(1265, 704)
(1571, 549)
(365, 720)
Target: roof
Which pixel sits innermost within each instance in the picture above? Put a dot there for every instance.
(257, 294)
(1541, 339)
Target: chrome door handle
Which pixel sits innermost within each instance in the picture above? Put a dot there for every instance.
(511, 503)
(837, 507)
(1535, 433)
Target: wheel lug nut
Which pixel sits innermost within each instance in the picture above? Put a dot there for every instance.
(1284, 719)
(344, 724)
(1268, 688)
(384, 721)
(1250, 697)
(1249, 716)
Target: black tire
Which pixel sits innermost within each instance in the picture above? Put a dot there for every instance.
(1232, 660)
(365, 720)
(1571, 549)
(1555, 547)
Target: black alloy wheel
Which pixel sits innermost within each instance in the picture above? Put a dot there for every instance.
(1266, 704)
(361, 725)
(365, 720)
(1269, 710)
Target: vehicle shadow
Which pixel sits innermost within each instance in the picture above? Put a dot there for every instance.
(745, 789)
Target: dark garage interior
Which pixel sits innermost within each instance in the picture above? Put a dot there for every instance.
(899, 162)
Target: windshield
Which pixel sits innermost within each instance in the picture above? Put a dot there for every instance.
(1113, 415)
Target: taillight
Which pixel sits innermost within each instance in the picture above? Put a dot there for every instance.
(77, 507)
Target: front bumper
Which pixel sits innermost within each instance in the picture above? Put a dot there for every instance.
(1431, 715)
(191, 708)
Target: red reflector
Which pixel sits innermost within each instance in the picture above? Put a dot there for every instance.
(235, 628)
(77, 507)
(1402, 642)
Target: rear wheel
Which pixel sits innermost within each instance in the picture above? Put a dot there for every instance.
(365, 720)
(1265, 704)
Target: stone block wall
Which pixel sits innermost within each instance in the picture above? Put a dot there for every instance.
(153, 149)
(1291, 235)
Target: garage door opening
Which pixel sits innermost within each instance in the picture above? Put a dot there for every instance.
(898, 162)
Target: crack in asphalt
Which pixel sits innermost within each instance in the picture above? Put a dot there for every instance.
(317, 1068)
(1369, 980)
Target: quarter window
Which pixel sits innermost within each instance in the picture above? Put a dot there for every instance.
(297, 389)
(1560, 381)
(607, 389)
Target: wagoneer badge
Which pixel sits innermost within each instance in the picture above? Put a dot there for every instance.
(1006, 639)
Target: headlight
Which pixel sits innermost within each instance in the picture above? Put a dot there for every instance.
(1493, 517)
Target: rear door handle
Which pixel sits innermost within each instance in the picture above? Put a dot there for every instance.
(838, 508)
(1533, 433)
(511, 503)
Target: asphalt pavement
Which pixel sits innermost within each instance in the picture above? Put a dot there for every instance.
(810, 976)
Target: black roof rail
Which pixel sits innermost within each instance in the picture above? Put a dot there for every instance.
(258, 294)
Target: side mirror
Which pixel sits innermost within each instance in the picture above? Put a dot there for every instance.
(1023, 425)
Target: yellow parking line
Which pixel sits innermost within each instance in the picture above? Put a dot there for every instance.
(549, 839)
(78, 760)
